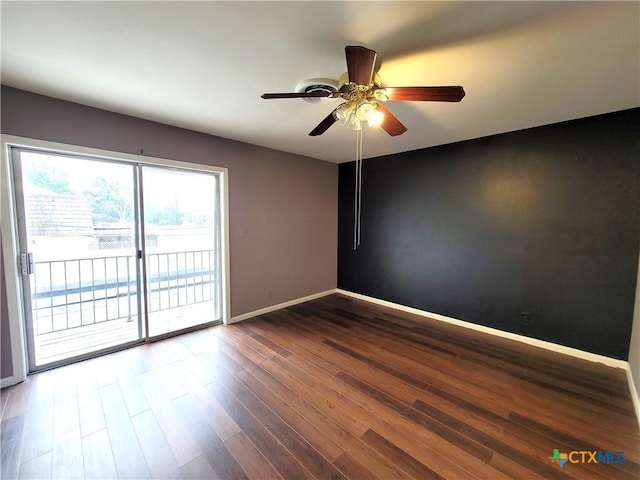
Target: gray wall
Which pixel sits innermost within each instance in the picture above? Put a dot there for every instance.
(282, 207)
(6, 367)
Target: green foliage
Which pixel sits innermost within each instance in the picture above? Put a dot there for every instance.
(109, 203)
(166, 215)
(50, 178)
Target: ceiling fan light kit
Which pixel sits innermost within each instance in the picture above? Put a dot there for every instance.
(363, 95)
(355, 113)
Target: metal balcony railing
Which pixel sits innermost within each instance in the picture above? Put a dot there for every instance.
(73, 293)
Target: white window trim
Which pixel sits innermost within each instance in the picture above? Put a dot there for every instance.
(10, 239)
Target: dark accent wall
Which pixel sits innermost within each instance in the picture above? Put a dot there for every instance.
(544, 221)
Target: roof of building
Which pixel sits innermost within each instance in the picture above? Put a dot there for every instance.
(50, 213)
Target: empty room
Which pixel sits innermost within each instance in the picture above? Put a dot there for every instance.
(307, 240)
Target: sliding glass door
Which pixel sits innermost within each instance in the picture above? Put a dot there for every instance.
(113, 252)
(182, 231)
(79, 245)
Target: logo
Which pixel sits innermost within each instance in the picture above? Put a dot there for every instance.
(559, 458)
(586, 456)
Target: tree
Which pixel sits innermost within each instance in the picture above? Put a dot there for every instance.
(108, 202)
(50, 178)
(165, 215)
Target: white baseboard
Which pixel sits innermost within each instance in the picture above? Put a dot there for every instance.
(634, 392)
(279, 306)
(574, 352)
(9, 381)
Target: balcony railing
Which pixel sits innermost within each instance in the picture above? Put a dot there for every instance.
(74, 293)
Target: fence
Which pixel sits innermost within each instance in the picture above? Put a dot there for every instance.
(73, 293)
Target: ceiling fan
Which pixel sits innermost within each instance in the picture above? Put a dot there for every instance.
(363, 93)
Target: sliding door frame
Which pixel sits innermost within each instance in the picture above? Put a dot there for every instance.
(22, 239)
(218, 241)
(10, 237)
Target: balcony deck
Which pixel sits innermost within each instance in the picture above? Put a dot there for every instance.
(56, 346)
(84, 305)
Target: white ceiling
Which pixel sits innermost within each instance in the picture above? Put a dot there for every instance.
(204, 65)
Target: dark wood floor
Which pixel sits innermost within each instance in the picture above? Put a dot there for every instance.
(333, 388)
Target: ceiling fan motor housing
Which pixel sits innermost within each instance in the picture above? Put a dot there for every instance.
(343, 82)
(317, 85)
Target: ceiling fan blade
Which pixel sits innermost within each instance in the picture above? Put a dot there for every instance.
(324, 125)
(360, 63)
(390, 123)
(425, 94)
(269, 96)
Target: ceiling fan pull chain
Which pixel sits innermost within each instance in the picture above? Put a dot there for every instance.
(357, 195)
(360, 133)
(355, 198)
